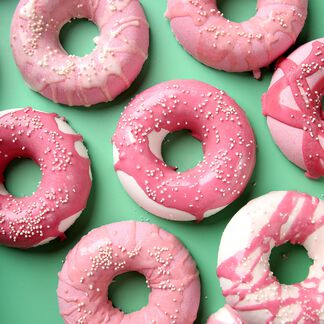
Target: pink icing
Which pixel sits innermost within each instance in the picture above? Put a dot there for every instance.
(294, 100)
(117, 248)
(65, 185)
(214, 119)
(235, 47)
(225, 315)
(247, 282)
(98, 77)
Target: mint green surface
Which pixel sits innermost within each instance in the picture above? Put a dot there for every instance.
(28, 279)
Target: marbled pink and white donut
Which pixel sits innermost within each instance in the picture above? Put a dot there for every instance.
(121, 49)
(66, 177)
(236, 47)
(111, 250)
(225, 315)
(294, 110)
(243, 263)
(214, 119)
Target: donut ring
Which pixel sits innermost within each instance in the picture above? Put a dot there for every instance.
(214, 119)
(66, 177)
(294, 110)
(236, 47)
(80, 81)
(225, 315)
(111, 250)
(243, 267)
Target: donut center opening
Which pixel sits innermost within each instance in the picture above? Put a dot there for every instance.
(181, 150)
(22, 177)
(290, 263)
(237, 10)
(78, 37)
(129, 292)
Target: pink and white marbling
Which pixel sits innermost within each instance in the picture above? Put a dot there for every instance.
(111, 250)
(236, 47)
(243, 263)
(214, 119)
(294, 110)
(121, 49)
(225, 315)
(66, 177)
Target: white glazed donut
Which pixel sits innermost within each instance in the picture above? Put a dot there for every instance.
(243, 263)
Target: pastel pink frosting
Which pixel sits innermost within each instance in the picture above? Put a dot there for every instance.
(293, 107)
(247, 282)
(66, 177)
(111, 250)
(225, 315)
(121, 49)
(214, 119)
(207, 35)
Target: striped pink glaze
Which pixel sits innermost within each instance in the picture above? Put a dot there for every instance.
(225, 315)
(294, 110)
(66, 177)
(111, 250)
(120, 52)
(214, 119)
(247, 282)
(236, 47)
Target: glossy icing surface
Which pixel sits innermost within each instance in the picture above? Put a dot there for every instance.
(243, 265)
(121, 49)
(225, 315)
(235, 47)
(214, 119)
(66, 177)
(117, 248)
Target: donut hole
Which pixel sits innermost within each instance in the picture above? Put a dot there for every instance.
(77, 37)
(237, 10)
(22, 177)
(290, 263)
(129, 292)
(181, 150)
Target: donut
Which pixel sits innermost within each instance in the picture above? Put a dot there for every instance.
(117, 248)
(225, 315)
(120, 52)
(236, 47)
(293, 107)
(214, 119)
(247, 282)
(62, 194)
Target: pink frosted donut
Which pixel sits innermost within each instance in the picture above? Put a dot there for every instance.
(225, 315)
(236, 47)
(80, 81)
(214, 119)
(66, 177)
(243, 263)
(111, 250)
(294, 110)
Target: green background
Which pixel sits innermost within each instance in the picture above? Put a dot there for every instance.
(28, 279)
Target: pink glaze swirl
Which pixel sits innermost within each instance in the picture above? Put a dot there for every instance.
(236, 47)
(243, 263)
(225, 315)
(294, 110)
(80, 81)
(111, 250)
(66, 177)
(214, 119)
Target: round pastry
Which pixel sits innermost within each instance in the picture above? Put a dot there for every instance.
(225, 315)
(294, 110)
(66, 177)
(121, 49)
(236, 47)
(214, 119)
(111, 250)
(247, 282)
